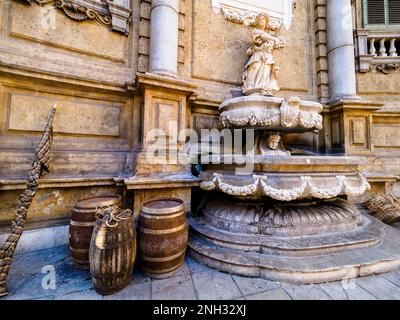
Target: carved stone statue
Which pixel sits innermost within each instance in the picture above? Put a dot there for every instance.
(261, 74)
(270, 144)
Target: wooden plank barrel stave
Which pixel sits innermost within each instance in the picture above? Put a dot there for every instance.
(163, 237)
(112, 256)
(82, 224)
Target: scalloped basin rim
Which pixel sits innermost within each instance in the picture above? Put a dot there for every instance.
(239, 101)
(290, 160)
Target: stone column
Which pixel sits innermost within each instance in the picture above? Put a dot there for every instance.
(164, 37)
(341, 60)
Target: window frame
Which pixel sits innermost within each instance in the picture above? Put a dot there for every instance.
(387, 25)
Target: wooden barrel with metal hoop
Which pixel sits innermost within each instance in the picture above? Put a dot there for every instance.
(82, 223)
(112, 255)
(162, 237)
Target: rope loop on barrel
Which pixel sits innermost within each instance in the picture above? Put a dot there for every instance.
(112, 215)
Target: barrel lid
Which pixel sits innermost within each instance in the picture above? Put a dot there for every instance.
(163, 206)
(99, 201)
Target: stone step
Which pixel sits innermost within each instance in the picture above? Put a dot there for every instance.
(367, 234)
(384, 257)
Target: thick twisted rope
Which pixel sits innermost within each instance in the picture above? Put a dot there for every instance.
(39, 167)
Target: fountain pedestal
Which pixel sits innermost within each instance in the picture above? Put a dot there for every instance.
(288, 218)
(284, 217)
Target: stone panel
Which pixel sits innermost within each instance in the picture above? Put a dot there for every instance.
(83, 37)
(358, 131)
(52, 203)
(386, 136)
(377, 83)
(41, 41)
(336, 132)
(161, 110)
(29, 113)
(167, 114)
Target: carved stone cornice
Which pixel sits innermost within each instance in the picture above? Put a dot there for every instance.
(115, 14)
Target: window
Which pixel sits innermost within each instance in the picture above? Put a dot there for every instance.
(382, 13)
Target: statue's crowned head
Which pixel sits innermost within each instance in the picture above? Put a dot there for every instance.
(262, 21)
(273, 140)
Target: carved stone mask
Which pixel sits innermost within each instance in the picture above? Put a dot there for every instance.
(273, 141)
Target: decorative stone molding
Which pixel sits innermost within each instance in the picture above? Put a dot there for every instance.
(80, 13)
(245, 11)
(113, 13)
(377, 50)
(285, 221)
(306, 189)
(386, 68)
(271, 113)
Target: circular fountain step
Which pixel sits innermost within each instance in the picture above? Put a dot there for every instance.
(306, 269)
(367, 234)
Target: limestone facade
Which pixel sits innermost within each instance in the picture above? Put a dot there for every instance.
(109, 82)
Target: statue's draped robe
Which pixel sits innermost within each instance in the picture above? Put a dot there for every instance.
(260, 70)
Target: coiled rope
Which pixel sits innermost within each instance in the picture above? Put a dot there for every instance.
(112, 215)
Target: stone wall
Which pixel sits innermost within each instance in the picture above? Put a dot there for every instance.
(90, 71)
(370, 128)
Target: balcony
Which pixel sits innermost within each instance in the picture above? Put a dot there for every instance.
(378, 50)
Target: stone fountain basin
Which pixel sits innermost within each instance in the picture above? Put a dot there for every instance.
(271, 113)
(286, 178)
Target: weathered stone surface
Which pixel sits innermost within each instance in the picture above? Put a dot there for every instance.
(380, 287)
(306, 293)
(49, 203)
(215, 286)
(61, 37)
(251, 286)
(29, 113)
(175, 288)
(208, 284)
(346, 290)
(275, 294)
(140, 291)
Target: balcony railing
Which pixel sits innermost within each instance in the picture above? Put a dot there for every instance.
(380, 50)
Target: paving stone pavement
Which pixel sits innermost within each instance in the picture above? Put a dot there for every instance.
(30, 272)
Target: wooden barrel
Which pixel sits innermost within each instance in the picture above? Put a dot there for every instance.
(112, 256)
(82, 223)
(163, 237)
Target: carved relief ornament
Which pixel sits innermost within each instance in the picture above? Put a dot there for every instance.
(386, 68)
(115, 14)
(246, 11)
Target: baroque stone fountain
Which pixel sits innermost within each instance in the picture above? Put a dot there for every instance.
(289, 218)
